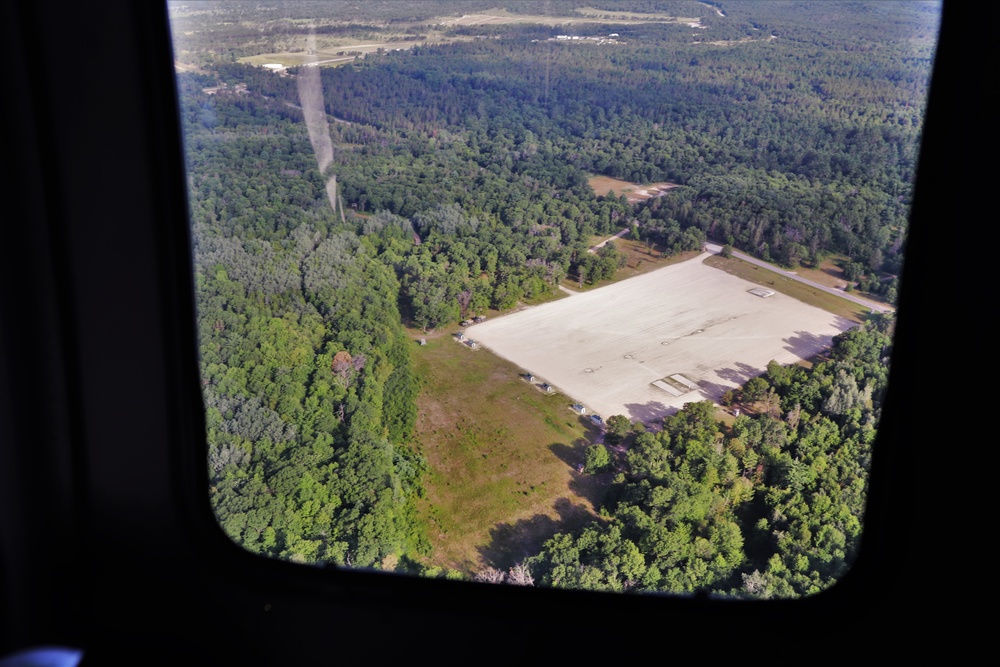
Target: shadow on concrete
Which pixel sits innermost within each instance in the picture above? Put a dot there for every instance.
(740, 374)
(648, 413)
(713, 390)
(805, 344)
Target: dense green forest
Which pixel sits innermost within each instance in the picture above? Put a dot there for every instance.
(463, 168)
(769, 507)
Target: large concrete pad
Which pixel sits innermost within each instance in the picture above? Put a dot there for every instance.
(607, 347)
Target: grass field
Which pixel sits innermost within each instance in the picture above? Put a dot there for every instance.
(634, 16)
(331, 56)
(828, 273)
(435, 32)
(590, 15)
(502, 457)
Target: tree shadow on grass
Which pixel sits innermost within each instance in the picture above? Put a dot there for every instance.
(511, 543)
(592, 432)
(585, 485)
(572, 455)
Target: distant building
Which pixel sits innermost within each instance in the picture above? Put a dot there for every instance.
(578, 408)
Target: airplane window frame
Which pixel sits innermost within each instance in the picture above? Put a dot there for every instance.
(120, 282)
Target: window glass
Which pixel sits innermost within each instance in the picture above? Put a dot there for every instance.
(593, 298)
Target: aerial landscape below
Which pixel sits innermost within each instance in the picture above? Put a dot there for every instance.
(549, 295)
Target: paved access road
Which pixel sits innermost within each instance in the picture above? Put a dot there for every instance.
(877, 307)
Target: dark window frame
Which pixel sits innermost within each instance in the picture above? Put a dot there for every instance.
(100, 391)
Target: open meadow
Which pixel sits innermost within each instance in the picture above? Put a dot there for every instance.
(645, 346)
(502, 458)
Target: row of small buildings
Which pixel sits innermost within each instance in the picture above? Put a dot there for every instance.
(581, 409)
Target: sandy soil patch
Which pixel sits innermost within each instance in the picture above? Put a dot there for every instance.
(633, 192)
(607, 347)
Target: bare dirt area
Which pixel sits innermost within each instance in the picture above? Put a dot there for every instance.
(645, 346)
(633, 192)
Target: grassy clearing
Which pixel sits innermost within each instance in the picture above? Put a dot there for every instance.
(600, 16)
(286, 59)
(334, 52)
(502, 458)
(634, 16)
(641, 258)
(601, 185)
(779, 283)
(828, 273)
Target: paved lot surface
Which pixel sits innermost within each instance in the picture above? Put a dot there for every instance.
(605, 348)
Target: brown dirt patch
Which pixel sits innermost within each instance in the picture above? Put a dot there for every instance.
(634, 192)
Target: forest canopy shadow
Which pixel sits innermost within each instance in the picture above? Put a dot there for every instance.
(511, 543)
(740, 374)
(648, 412)
(805, 344)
